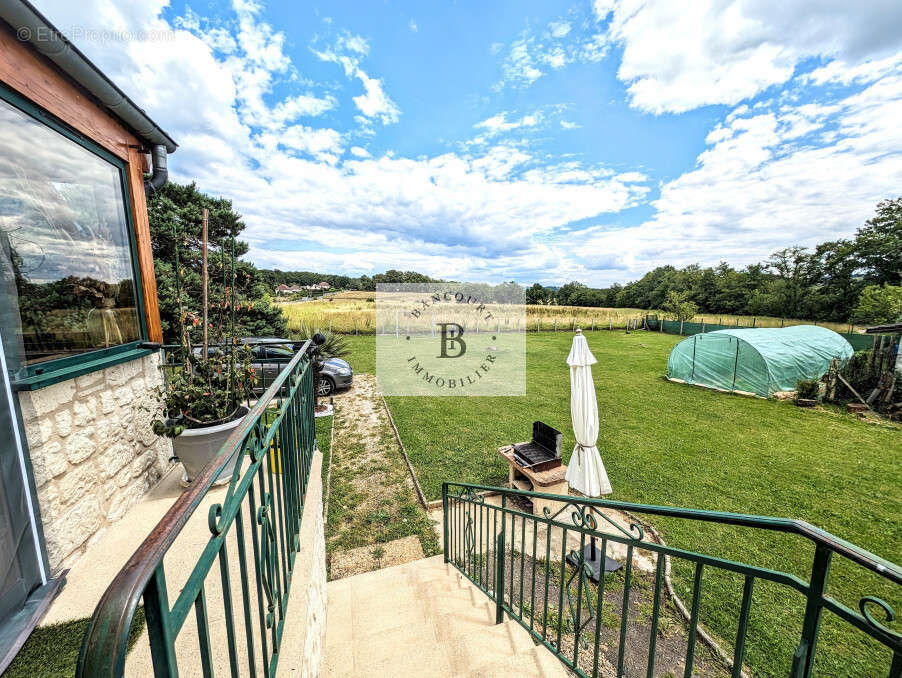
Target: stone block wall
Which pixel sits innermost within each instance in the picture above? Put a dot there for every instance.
(93, 452)
(304, 641)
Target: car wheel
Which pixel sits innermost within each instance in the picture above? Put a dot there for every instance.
(324, 387)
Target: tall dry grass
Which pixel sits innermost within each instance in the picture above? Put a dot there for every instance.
(355, 313)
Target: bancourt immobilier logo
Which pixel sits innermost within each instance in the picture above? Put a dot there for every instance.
(451, 339)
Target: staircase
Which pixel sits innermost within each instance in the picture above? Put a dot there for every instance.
(425, 620)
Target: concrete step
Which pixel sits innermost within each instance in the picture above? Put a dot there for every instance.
(425, 620)
(535, 663)
(487, 645)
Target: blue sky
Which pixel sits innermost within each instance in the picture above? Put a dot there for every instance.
(535, 141)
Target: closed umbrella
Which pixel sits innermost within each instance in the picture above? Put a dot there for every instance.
(586, 472)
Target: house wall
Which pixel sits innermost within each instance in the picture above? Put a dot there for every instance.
(93, 452)
(89, 439)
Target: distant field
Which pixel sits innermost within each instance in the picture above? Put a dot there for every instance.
(355, 313)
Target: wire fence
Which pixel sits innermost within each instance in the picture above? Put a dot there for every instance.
(859, 341)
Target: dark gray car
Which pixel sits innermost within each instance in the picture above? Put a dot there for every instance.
(336, 374)
(272, 354)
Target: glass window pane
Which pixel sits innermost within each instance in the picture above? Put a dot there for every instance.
(64, 237)
(279, 352)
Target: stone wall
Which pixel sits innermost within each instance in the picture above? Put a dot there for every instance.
(303, 643)
(93, 452)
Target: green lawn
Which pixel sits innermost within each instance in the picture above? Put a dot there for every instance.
(666, 443)
(324, 443)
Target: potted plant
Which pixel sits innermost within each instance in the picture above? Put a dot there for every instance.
(202, 403)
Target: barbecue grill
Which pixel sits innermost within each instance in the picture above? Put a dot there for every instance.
(543, 451)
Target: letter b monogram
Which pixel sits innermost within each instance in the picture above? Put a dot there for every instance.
(452, 339)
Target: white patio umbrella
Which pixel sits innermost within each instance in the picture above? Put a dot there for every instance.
(586, 472)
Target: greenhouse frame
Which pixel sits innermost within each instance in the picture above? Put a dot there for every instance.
(761, 361)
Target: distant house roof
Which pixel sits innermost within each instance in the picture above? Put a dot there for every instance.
(883, 329)
(324, 284)
(283, 287)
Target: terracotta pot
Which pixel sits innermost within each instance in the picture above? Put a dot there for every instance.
(197, 446)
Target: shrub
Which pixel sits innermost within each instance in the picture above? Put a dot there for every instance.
(808, 389)
(678, 307)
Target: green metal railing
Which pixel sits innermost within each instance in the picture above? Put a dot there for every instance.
(260, 515)
(499, 547)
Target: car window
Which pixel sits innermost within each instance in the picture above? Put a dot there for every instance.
(279, 352)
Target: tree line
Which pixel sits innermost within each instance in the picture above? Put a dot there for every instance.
(366, 283)
(848, 280)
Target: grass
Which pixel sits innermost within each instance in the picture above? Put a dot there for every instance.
(665, 443)
(324, 443)
(356, 314)
(52, 651)
(371, 501)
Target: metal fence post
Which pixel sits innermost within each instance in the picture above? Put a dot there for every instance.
(803, 660)
(499, 566)
(159, 633)
(445, 521)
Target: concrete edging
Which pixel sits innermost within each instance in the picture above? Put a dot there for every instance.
(413, 476)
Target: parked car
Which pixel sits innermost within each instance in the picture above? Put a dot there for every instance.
(270, 358)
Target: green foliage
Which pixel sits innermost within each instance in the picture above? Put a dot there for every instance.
(878, 244)
(175, 228)
(335, 345)
(879, 304)
(274, 278)
(808, 389)
(205, 391)
(678, 307)
(538, 295)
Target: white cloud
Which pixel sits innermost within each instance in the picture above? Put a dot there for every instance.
(520, 65)
(374, 102)
(323, 144)
(412, 25)
(530, 56)
(499, 123)
(566, 124)
(758, 186)
(602, 8)
(463, 215)
(559, 29)
(794, 169)
(679, 56)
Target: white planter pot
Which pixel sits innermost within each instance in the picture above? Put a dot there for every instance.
(195, 447)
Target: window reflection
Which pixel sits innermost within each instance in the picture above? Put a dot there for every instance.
(67, 262)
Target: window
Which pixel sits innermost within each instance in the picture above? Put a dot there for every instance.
(69, 284)
(278, 353)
